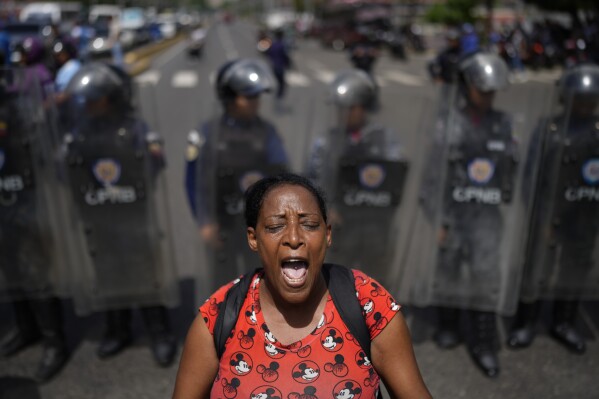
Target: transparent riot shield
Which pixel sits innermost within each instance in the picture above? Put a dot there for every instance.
(121, 230)
(31, 261)
(363, 163)
(225, 155)
(467, 238)
(563, 162)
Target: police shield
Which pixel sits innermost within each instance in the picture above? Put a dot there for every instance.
(361, 161)
(121, 229)
(563, 252)
(31, 261)
(466, 245)
(232, 149)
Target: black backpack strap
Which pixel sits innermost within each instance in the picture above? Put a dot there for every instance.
(342, 288)
(228, 311)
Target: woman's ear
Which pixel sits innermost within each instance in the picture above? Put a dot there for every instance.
(329, 235)
(251, 234)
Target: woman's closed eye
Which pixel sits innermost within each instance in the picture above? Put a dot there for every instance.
(274, 228)
(311, 226)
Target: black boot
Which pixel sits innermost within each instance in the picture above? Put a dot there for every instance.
(55, 351)
(564, 326)
(523, 331)
(117, 335)
(24, 333)
(482, 344)
(163, 343)
(448, 332)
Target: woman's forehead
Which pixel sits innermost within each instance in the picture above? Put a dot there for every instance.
(289, 196)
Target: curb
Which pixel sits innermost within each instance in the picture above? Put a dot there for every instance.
(139, 60)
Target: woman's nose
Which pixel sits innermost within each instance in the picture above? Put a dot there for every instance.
(294, 237)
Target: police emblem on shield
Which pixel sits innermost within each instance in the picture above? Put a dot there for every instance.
(2, 158)
(249, 178)
(481, 170)
(590, 171)
(107, 171)
(372, 175)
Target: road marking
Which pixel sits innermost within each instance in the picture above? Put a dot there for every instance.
(151, 77)
(185, 79)
(297, 79)
(380, 81)
(544, 76)
(404, 78)
(320, 70)
(324, 75)
(227, 42)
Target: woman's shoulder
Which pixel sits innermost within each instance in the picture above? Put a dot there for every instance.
(378, 305)
(209, 309)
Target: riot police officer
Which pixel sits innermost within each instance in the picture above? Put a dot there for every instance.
(467, 199)
(29, 256)
(561, 186)
(114, 171)
(444, 68)
(358, 163)
(223, 157)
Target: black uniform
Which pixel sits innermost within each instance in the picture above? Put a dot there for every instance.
(226, 155)
(480, 177)
(563, 193)
(28, 245)
(113, 165)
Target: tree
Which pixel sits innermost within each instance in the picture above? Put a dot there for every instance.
(452, 12)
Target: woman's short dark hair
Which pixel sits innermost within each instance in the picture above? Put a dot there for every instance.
(255, 194)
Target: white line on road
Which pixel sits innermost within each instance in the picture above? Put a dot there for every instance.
(227, 42)
(324, 75)
(404, 78)
(297, 79)
(185, 79)
(148, 78)
(544, 77)
(320, 70)
(380, 81)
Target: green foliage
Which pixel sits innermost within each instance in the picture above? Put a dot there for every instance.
(451, 12)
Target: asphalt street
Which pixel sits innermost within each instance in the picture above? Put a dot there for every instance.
(175, 95)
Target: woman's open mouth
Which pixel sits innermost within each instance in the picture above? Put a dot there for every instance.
(295, 271)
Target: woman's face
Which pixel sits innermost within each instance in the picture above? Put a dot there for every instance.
(291, 238)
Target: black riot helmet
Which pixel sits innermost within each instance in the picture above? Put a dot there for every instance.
(484, 71)
(578, 89)
(98, 80)
(353, 87)
(580, 79)
(243, 77)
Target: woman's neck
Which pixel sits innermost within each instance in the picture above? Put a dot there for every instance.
(290, 322)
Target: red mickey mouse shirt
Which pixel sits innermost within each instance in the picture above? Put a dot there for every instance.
(327, 363)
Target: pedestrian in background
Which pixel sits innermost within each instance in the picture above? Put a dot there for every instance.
(280, 61)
